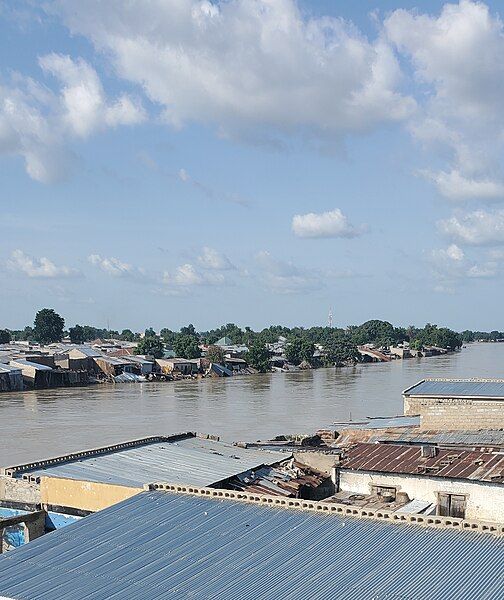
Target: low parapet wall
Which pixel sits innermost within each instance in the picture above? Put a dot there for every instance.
(329, 508)
(88, 496)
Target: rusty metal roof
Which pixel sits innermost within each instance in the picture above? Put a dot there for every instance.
(453, 463)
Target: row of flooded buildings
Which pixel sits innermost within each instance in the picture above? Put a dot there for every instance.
(400, 507)
(31, 366)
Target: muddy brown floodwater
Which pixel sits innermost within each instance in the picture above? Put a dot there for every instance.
(44, 423)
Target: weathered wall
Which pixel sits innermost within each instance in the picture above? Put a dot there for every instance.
(456, 413)
(485, 501)
(317, 460)
(82, 495)
(19, 490)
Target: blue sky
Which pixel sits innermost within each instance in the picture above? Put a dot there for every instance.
(255, 162)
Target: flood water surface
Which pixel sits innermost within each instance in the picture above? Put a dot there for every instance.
(44, 423)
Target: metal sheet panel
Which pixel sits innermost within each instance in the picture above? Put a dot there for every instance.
(165, 546)
(191, 461)
(454, 463)
(458, 388)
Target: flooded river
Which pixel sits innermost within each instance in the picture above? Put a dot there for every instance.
(45, 423)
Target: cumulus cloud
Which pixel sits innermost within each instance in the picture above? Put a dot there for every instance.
(330, 224)
(457, 57)
(455, 186)
(84, 106)
(188, 276)
(213, 259)
(38, 268)
(36, 123)
(284, 277)
(115, 267)
(451, 265)
(252, 69)
(477, 228)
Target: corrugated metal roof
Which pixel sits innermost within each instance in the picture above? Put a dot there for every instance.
(456, 388)
(454, 463)
(26, 363)
(379, 423)
(484, 437)
(191, 461)
(160, 546)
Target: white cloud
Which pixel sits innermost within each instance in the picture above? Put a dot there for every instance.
(39, 268)
(324, 225)
(213, 259)
(253, 69)
(451, 265)
(183, 176)
(455, 186)
(115, 267)
(457, 62)
(477, 228)
(84, 105)
(489, 270)
(188, 276)
(286, 278)
(37, 123)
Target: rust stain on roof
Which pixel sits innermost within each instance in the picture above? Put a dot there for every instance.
(390, 458)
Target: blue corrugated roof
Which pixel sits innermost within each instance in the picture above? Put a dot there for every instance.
(158, 545)
(190, 461)
(457, 388)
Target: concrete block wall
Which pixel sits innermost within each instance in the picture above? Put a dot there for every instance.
(456, 413)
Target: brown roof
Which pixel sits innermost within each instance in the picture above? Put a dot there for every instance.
(394, 458)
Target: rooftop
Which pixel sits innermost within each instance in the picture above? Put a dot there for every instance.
(453, 463)
(458, 388)
(185, 459)
(160, 545)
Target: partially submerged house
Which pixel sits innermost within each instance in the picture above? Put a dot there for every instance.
(181, 366)
(11, 378)
(111, 366)
(35, 375)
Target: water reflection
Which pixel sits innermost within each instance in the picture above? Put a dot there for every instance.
(47, 422)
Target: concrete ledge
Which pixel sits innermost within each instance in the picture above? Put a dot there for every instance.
(329, 508)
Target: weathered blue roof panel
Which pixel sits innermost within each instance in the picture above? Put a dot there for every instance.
(158, 545)
(455, 388)
(191, 461)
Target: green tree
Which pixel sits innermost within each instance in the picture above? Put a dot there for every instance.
(299, 350)
(258, 356)
(149, 332)
(48, 326)
(127, 335)
(189, 330)
(76, 334)
(151, 346)
(215, 355)
(169, 336)
(186, 346)
(5, 336)
(340, 351)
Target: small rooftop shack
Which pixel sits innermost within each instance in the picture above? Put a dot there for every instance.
(451, 404)
(160, 544)
(450, 482)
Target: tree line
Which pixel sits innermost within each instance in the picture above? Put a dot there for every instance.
(339, 345)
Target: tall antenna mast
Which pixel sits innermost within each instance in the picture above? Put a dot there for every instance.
(330, 319)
